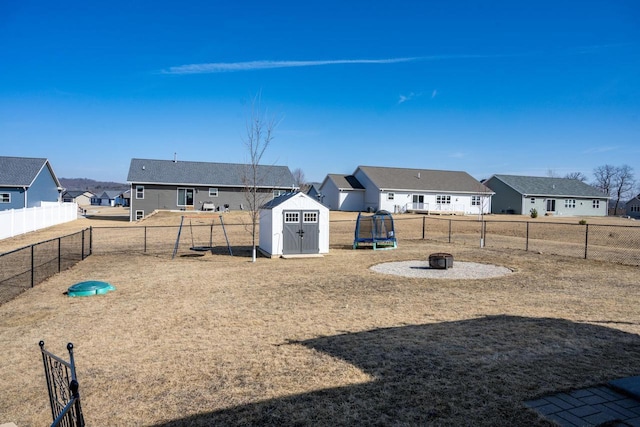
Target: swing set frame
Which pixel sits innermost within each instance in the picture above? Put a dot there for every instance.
(193, 246)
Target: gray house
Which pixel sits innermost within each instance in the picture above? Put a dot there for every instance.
(548, 196)
(633, 207)
(372, 188)
(185, 185)
(27, 182)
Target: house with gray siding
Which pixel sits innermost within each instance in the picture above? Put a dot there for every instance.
(548, 196)
(633, 207)
(187, 185)
(27, 182)
(409, 190)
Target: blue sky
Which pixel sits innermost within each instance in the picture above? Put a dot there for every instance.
(480, 86)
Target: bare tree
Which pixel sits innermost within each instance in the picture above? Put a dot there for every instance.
(576, 175)
(604, 178)
(622, 184)
(259, 128)
(300, 180)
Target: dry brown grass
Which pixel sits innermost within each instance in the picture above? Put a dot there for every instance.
(218, 340)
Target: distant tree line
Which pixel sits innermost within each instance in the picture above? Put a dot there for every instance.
(86, 184)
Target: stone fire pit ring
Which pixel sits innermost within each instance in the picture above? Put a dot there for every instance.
(420, 269)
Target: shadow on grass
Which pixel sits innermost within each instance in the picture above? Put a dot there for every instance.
(98, 217)
(472, 372)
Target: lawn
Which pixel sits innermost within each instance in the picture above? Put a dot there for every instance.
(218, 340)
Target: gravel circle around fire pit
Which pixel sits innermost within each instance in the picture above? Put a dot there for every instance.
(460, 270)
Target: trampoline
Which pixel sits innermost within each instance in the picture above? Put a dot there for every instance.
(375, 230)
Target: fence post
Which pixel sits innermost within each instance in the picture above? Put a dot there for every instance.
(145, 239)
(32, 265)
(449, 231)
(586, 240)
(424, 222)
(91, 240)
(526, 241)
(82, 247)
(59, 255)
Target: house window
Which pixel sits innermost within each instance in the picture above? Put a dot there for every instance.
(185, 196)
(139, 215)
(278, 193)
(475, 200)
(213, 192)
(139, 191)
(570, 203)
(310, 217)
(596, 204)
(443, 200)
(390, 196)
(5, 197)
(291, 217)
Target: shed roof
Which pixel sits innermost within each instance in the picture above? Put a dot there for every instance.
(387, 178)
(283, 198)
(22, 171)
(149, 171)
(546, 186)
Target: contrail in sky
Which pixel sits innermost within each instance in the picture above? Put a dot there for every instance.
(224, 67)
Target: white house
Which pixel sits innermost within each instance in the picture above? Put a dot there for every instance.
(406, 190)
(293, 224)
(342, 193)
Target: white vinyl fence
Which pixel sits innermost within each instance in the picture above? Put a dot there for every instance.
(19, 221)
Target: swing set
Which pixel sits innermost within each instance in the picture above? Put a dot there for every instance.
(200, 248)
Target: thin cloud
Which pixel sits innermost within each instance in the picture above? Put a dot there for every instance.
(226, 67)
(434, 93)
(405, 98)
(598, 150)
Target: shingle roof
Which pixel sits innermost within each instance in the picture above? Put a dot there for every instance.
(423, 180)
(345, 182)
(284, 197)
(545, 186)
(76, 193)
(148, 171)
(21, 171)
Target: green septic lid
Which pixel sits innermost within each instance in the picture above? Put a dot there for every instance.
(88, 288)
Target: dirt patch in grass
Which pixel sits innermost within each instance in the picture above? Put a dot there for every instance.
(218, 340)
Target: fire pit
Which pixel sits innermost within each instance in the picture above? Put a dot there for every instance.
(441, 260)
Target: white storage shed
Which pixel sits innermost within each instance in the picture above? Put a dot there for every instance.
(294, 224)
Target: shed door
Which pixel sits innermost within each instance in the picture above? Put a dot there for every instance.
(301, 232)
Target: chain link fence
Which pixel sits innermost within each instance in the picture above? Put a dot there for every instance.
(612, 243)
(26, 267)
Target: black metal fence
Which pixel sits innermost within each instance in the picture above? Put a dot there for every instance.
(28, 266)
(612, 243)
